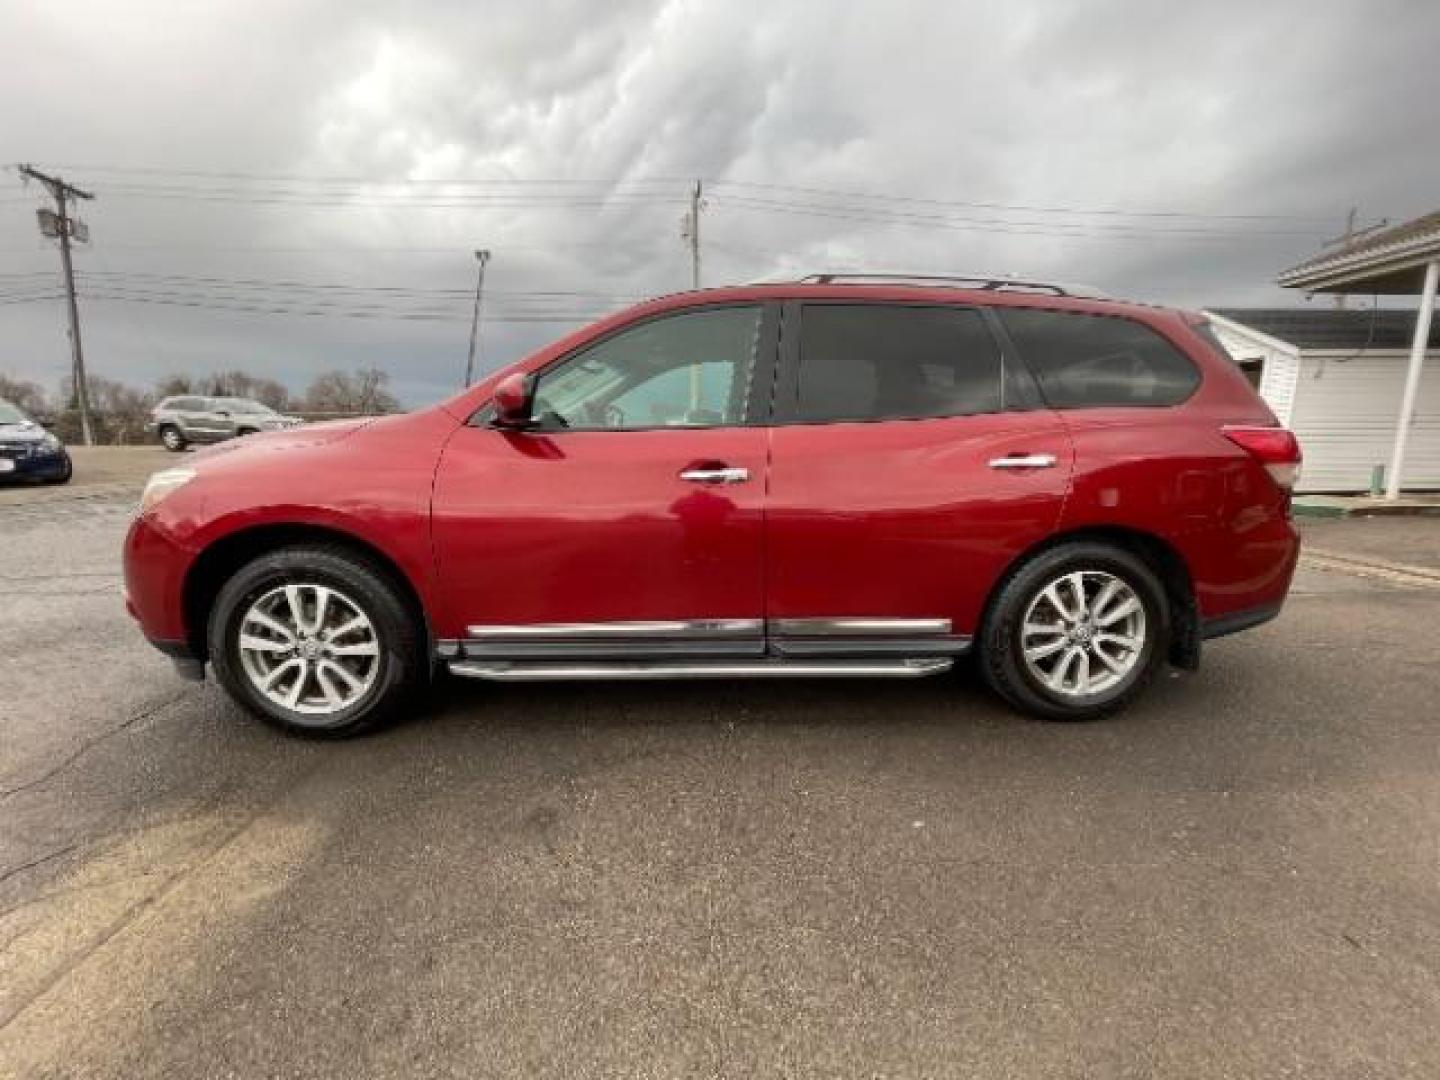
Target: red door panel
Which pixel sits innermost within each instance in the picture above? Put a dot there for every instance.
(597, 527)
(907, 518)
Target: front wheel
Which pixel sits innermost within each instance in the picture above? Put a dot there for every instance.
(1076, 632)
(64, 475)
(316, 641)
(172, 439)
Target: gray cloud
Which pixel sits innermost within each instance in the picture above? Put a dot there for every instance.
(1293, 110)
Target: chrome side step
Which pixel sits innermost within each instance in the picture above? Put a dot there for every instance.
(660, 669)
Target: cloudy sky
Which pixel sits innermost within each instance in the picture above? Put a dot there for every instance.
(290, 187)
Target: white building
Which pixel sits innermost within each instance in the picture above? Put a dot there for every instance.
(1336, 378)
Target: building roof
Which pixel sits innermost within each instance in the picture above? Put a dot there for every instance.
(1328, 328)
(1389, 261)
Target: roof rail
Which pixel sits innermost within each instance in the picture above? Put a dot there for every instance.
(964, 281)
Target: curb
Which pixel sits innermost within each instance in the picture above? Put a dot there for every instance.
(1332, 507)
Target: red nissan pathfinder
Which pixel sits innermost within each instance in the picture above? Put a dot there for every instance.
(863, 476)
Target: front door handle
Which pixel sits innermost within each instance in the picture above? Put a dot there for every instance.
(719, 474)
(1024, 461)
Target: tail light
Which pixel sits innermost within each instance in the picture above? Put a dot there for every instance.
(1276, 448)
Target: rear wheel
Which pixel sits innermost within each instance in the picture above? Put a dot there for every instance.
(172, 439)
(1076, 632)
(316, 641)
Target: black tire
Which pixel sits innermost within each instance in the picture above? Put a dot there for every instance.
(64, 477)
(1001, 657)
(242, 432)
(172, 438)
(403, 665)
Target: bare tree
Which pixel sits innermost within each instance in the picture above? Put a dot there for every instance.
(28, 397)
(117, 412)
(364, 392)
(238, 383)
(174, 386)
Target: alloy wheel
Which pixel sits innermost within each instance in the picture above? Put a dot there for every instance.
(1083, 634)
(309, 648)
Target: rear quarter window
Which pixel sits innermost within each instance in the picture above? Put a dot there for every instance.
(1093, 361)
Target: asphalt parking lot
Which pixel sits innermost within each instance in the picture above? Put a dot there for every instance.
(1239, 878)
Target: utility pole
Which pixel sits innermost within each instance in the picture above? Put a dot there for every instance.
(482, 257)
(1349, 236)
(691, 232)
(65, 226)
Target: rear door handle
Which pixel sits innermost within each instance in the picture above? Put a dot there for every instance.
(1024, 461)
(722, 474)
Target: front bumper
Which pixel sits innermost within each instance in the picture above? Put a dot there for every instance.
(36, 466)
(187, 664)
(155, 569)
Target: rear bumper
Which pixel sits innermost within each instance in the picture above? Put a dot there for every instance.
(1235, 621)
(1242, 573)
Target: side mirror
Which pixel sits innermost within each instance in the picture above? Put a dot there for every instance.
(514, 400)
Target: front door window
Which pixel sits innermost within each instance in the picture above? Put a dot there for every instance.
(687, 370)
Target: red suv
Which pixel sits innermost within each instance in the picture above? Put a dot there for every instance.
(837, 477)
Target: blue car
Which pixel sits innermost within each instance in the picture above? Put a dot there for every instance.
(28, 451)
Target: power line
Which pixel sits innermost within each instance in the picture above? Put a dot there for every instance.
(1058, 230)
(401, 201)
(271, 283)
(314, 310)
(525, 305)
(1027, 208)
(319, 178)
(31, 299)
(338, 249)
(720, 184)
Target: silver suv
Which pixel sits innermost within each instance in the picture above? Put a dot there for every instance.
(189, 418)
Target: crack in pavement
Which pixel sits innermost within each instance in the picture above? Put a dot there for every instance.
(86, 747)
(167, 888)
(8, 874)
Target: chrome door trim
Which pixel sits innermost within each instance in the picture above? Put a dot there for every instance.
(663, 629)
(858, 626)
(552, 672)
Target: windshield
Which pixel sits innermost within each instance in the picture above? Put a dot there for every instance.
(243, 405)
(9, 414)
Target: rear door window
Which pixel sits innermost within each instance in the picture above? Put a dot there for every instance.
(895, 362)
(1094, 361)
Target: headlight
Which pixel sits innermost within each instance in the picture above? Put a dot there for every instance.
(49, 442)
(163, 483)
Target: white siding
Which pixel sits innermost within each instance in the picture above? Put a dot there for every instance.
(1279, 367)
(1345, 412)
(1277, 384)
